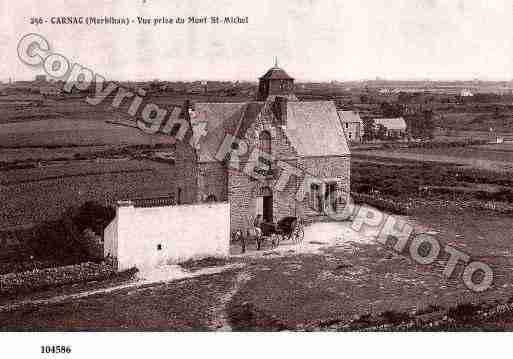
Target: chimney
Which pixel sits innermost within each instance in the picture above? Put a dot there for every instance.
(280, 110)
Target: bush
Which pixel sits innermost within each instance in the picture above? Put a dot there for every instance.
(93, 215)
(61, 240)
(463, 310)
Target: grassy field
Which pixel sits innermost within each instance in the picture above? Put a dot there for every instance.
(55, 154)
(23, 108)
(35, 195)
(63, 132)
(472, 158)
(409, 180)
(496, 152)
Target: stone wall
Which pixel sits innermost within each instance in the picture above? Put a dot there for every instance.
(24, 282)
(212, 181)
(242, 206)
(243, 191)
(185, 179)
(332, 169)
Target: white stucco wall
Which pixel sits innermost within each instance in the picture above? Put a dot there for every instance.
(110, 239)
(183, 232)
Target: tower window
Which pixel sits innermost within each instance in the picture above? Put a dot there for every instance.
(265, 142)
(265, 147)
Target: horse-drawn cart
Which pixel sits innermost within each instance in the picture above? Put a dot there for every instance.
(287, 228)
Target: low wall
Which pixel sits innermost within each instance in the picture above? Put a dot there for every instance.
(381, 203)
(29, 281)
(402, 208)
(146, 237)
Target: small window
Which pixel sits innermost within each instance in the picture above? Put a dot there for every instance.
(347, 125)
(159, 247)
(174, 130)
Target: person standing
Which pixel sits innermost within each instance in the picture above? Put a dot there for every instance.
(257, 224)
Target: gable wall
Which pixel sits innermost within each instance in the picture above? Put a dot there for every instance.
(242, 189)
(212, 180)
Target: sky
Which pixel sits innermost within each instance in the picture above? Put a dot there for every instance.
(314, 40)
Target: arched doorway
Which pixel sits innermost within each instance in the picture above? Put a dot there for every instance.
(265, 204)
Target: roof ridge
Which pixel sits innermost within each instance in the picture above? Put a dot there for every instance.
(222, 103)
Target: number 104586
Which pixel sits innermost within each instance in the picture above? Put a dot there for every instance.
(55, 349)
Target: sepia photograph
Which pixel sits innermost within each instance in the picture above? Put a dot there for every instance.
(273, 168)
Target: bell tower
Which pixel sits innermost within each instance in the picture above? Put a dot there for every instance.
(275, 82)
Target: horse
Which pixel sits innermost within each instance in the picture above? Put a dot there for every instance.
(254, 234)
(244, 236)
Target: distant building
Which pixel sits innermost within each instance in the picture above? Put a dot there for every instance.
(40, 78)
(352, 125)
(395, 127)
(466, 93)
(50, 91)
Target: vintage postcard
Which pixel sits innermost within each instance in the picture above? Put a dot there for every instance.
(240, 166)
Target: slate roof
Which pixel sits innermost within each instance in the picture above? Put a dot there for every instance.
(221, 119)
(349, 117)
(313, 128)
(391, 123)
(276, 73)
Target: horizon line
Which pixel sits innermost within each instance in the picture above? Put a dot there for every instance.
(5, 80)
